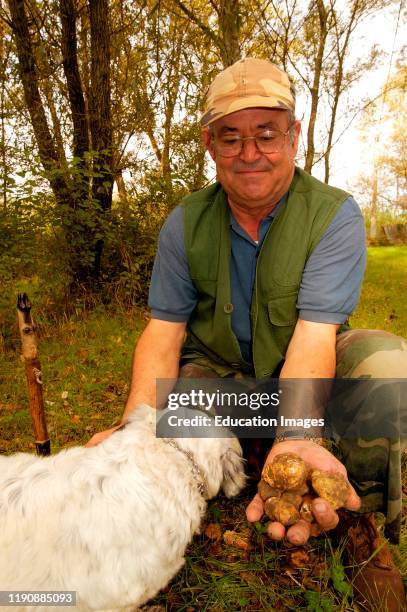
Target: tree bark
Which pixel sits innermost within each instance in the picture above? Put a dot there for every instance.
(373, 205)
(341, 55)
(314, 89)
(173, 84)
(73, 79)
(229, 28)
(3, 135)
(29, 77)
(121, 185)
(100, 116)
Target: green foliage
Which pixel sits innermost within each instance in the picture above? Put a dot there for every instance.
(318, 602)
(215, 511)
(339, 582)
(130, 246)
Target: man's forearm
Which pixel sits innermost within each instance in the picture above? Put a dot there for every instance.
(311, 361)
(311, 355)
(156, 356)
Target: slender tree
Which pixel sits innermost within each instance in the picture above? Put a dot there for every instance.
(83, 193)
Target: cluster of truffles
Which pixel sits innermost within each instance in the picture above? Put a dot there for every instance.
(288, 486)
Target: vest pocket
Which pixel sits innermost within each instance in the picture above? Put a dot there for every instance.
(282, 309)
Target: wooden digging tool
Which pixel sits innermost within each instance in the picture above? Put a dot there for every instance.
(33, 373)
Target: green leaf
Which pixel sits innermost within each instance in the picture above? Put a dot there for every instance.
(318, 602)
(215, 511)
(260, 528)
(340, 584)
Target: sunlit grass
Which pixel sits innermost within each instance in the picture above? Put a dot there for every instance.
(383, 300)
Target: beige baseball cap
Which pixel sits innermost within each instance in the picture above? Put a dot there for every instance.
(249, 83)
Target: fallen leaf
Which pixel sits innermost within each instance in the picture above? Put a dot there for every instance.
(232, 538)
(215, 549)
(311, 584)
(108, 396)
(76, 418)
(319, 569)
(213, 531)
(299, 558)
(248, 577)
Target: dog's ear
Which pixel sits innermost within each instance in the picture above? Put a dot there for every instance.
(234, 478)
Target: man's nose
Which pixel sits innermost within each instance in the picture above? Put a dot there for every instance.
(249, 152)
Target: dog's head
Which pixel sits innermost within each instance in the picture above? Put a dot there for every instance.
(220, 459)
(232, 462)
(222, 463)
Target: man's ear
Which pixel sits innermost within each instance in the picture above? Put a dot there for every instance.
(297, 132)
(208, 142)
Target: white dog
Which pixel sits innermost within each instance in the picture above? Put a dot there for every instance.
(110, 522)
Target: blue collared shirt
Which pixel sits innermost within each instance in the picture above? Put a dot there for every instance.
(330, 284)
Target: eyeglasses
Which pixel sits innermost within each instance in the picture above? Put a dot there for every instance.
(269, 141)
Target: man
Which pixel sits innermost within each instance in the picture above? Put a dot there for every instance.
(260, 271)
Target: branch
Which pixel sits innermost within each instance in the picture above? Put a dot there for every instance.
(359, 110)
(6, 20)
(215, 39)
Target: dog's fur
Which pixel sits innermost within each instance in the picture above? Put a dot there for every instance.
(110, 522)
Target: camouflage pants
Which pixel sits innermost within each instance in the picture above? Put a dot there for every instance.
(373, 463)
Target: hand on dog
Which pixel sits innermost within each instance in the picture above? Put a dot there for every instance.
(326, 518)
(101, 435)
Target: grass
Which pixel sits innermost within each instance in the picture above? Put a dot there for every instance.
(86, 369)
(382, 304)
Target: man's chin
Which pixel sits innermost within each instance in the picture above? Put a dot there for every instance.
(253, 198)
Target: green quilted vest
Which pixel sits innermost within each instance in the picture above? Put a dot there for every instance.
(290, 240)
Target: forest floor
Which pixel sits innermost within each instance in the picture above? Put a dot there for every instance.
(86, 363)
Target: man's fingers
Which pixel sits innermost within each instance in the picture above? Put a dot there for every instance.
(275, 531)
(315, 530)
(353, 502)
(324, 514)
(299, 533)
(100, 436)
(95, 440)
(255, 509)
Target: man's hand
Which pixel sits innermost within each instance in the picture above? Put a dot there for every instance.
(326, 518)
(101, 435)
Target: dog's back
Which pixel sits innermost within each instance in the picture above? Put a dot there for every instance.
(110, 522)
(107, 522)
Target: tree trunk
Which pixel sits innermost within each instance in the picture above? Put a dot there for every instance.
(373, 206)
(100, 118)
(341, 54)
(3, 136)
(314, 89)
(73, 79)
(229, 29)
(173, 83)
(29, 78)
(81, 209)
(121, 185)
